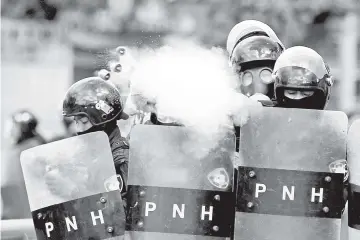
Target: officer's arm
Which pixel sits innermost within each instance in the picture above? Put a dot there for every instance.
(121, 161)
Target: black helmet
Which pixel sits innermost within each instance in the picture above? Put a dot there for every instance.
(25, 120)
(95, 98)
(302, 69)
(22, 126)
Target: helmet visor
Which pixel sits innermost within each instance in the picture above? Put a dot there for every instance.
(296, 77)
(302, 58)
(254, 49)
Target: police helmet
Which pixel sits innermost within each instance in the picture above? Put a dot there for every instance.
(95, 98)
(25, 120)
(252, 28)
(302, 69)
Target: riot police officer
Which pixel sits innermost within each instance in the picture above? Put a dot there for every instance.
(96, 105)
(253, 48)
(22, 133)
(302, 79)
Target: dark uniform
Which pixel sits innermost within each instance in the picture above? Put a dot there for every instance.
(100, 101)
(120, 151)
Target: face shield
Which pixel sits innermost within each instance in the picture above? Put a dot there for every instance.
(297, 78)
(256, 48)
(301, 68)
(302, 57)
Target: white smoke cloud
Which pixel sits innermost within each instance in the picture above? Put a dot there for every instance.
(191, 84)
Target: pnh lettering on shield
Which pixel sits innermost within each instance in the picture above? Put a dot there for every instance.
(71, 224)
(180, 212)
(290, 194)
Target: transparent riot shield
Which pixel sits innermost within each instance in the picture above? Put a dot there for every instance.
(66, 183)
(180, 184)
(291, 179)
(353, 155)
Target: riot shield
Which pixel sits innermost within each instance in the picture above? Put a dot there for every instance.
(180, 184)
(290, 184)
(353, 155)
(67, 185)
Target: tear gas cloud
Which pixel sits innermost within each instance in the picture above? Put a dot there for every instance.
(191, 84)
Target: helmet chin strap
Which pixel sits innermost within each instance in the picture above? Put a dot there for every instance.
(92, 129)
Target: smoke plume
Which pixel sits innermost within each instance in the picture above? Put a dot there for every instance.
(191, 84)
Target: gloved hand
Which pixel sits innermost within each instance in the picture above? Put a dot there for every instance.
(259, 97)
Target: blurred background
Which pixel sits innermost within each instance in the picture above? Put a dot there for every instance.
(46, 45)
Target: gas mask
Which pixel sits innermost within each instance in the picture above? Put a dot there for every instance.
(257, 80)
